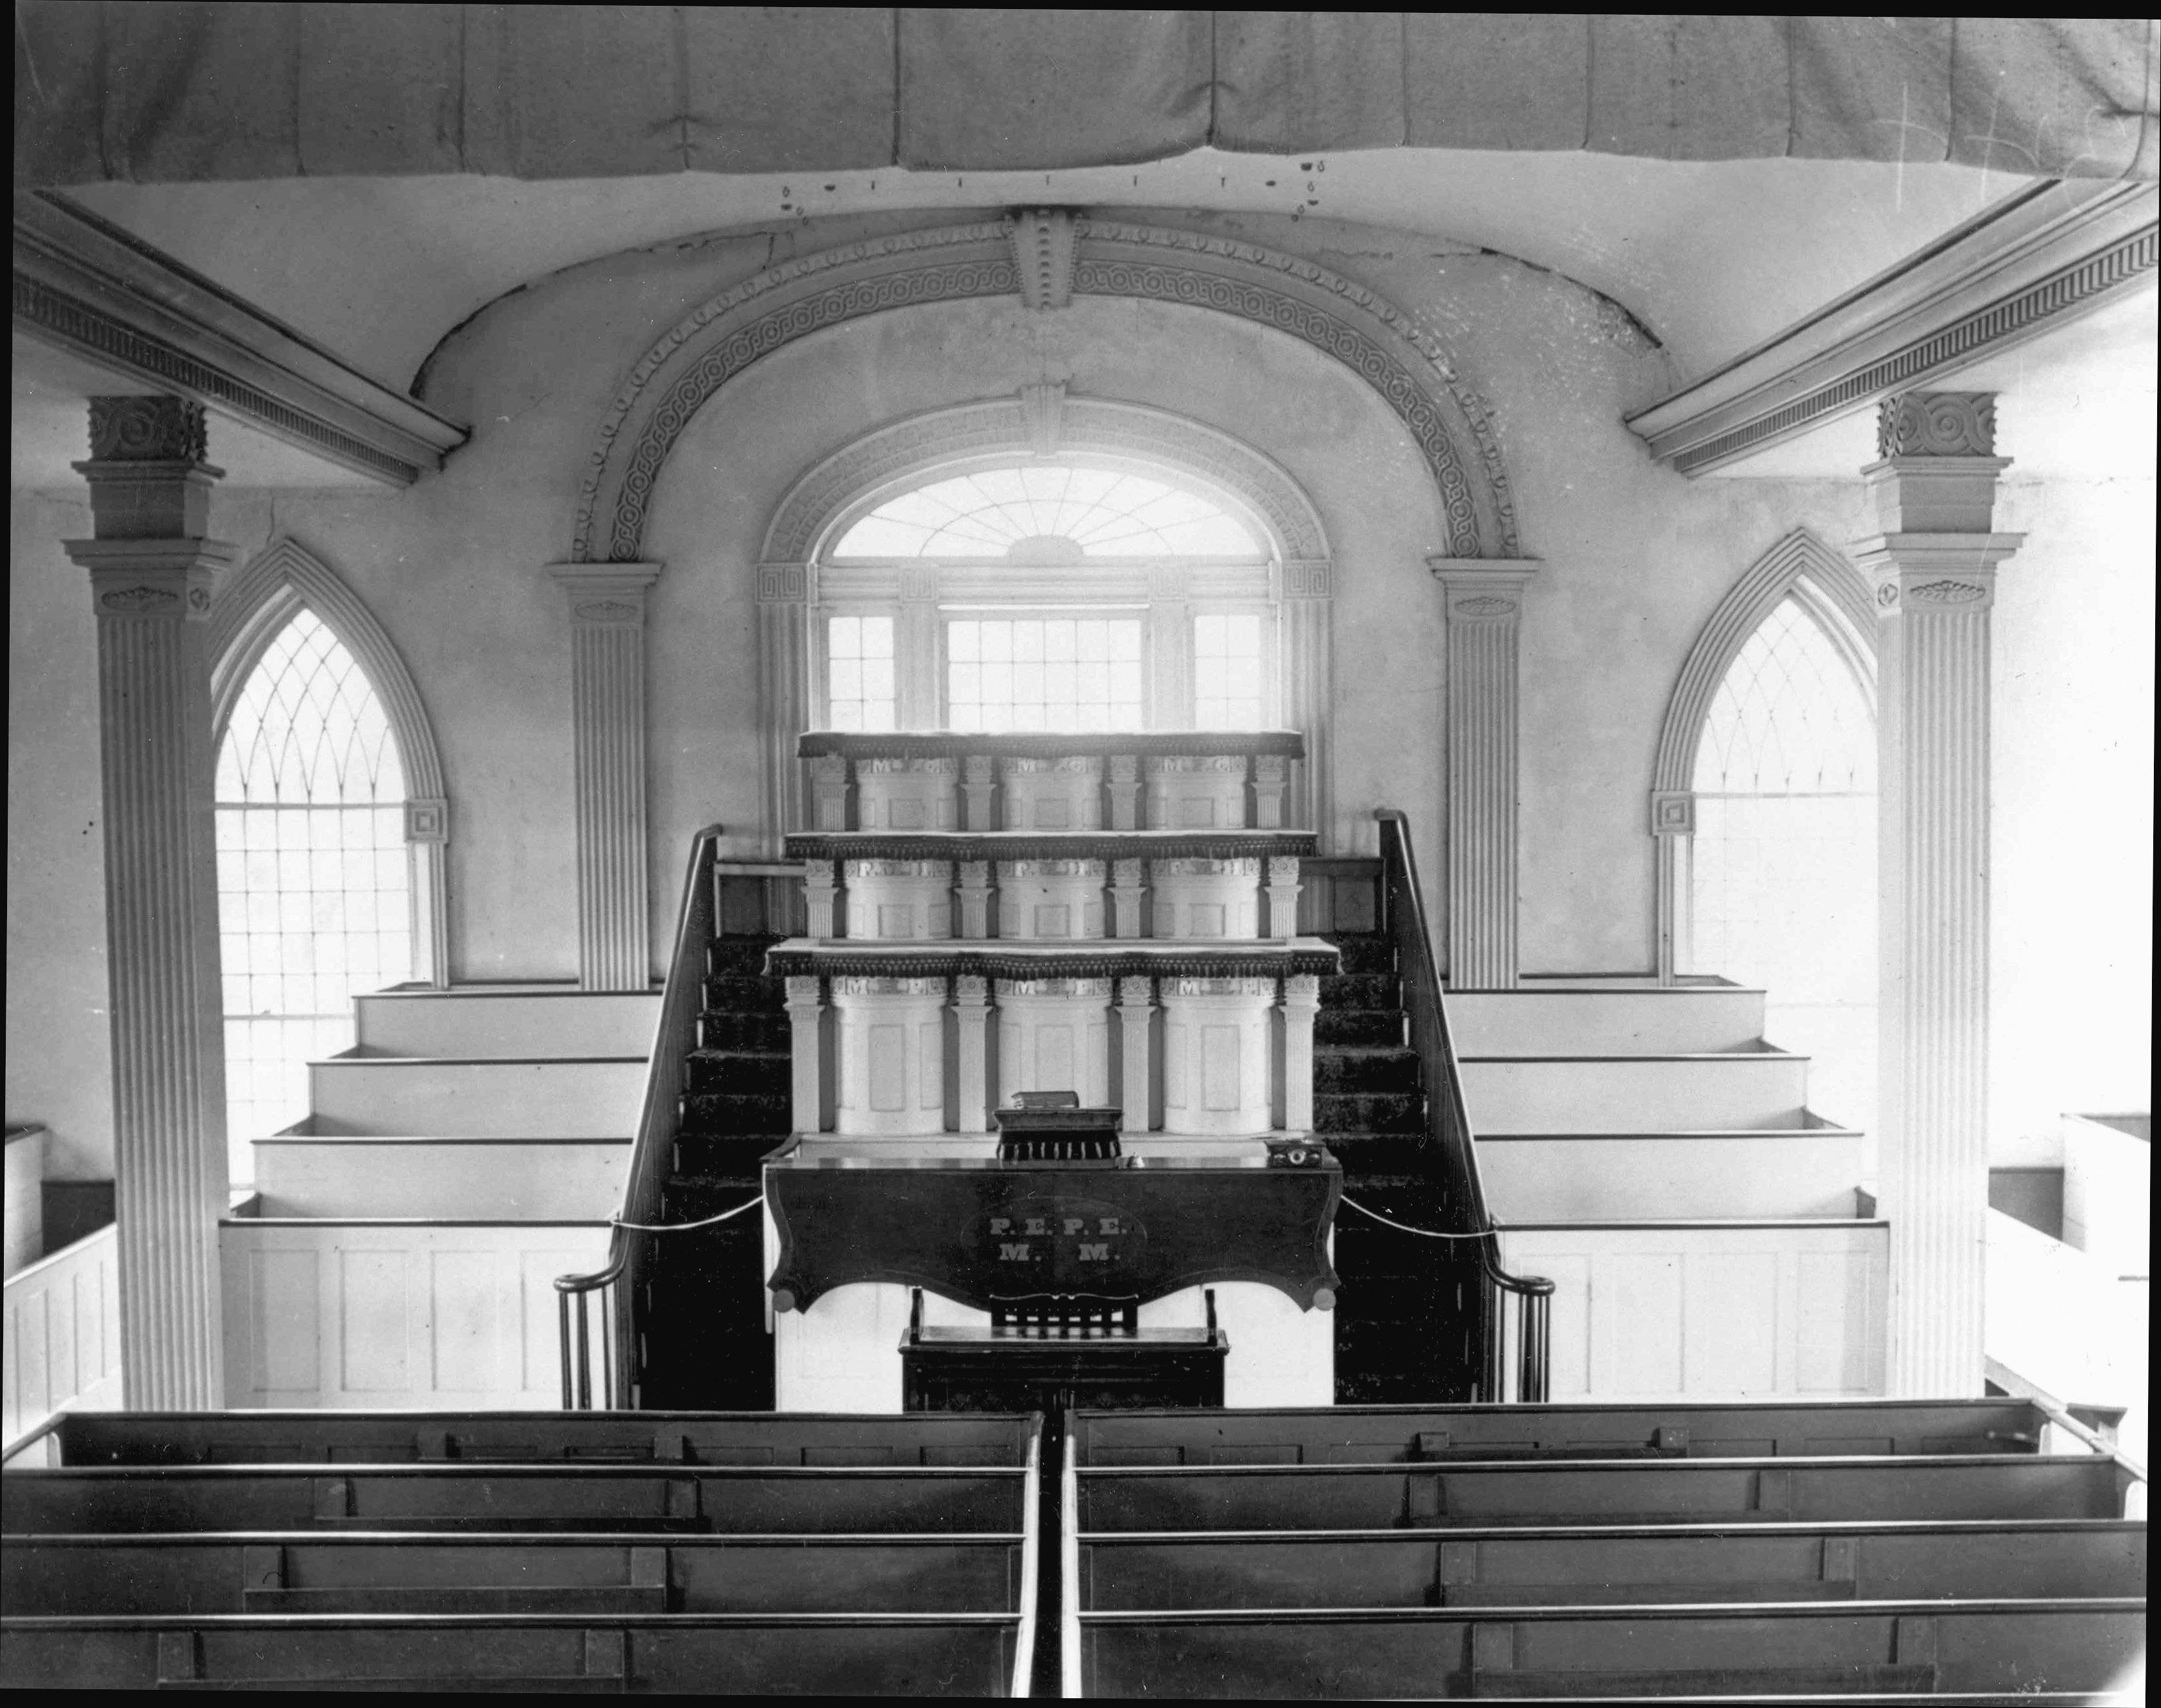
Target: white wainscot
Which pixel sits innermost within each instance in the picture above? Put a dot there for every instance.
(1742, 1312)
(440, 1316)
(61, 1327)
(843, 1354)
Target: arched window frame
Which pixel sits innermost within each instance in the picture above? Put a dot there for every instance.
(1834, 593)
(799, 584)
(247, 614)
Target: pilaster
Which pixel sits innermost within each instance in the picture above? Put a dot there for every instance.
(1137, 1020)
(1301, 1003)
(607, 722)
(151, 568)
(1483, 599)
(806, 1014)
(783, 691)
(1308, 646)
(1934, 569)
(971, 1011)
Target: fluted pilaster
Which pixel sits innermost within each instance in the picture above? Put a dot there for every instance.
(784, 692)
(150, 572)
(607, 719)
(1484, 603)
(1934, 569)
(1309, 646)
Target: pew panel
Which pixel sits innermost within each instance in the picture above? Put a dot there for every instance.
(1870, 1562)
(1389, 1435)
(1896, 1647)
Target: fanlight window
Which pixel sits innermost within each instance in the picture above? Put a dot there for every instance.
(313, 890)
(1040, 513)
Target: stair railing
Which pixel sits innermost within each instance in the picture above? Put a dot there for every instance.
(611, 1292)
(1449, 1125)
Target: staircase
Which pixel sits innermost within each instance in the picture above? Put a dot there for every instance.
(705, 1345)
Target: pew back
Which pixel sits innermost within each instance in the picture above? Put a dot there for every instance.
(1393, 1435)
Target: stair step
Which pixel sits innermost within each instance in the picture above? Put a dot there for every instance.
(726, 1112)
(744, 1034)
(1367, 1154)
(1370, 1113)
(1358, 1027)
(1360, 990)
(1339, 1070)
(357, 1095)
(1646, 1020)
(729, 1072)
(1672, 1176)
(704, 1159)
(1760, 1087)
(518, 1023)
(738, 957)
(730, 995)
(1364, 952)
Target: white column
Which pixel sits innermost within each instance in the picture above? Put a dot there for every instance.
(805, 1056)
(828, 792)
(1271, 776)
(821, 891)
(1127, 889)
(1933, 566)
(427, 837)
(975, 898)
(1484, 601)
(1301, 1001)
(784, 692)
(1125, 787)
(607, 723)
(1672, 826)
(1283, 896)
(150, 571)
(972, 1011)
(978, 777)
(1136, 1016)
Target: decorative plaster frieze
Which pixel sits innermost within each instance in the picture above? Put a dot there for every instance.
(1043, 256)
(147, 429)
(1936, 423)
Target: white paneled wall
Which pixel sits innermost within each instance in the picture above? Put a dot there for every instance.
(1735, 1312)
(397, 1316)
(61, 1323)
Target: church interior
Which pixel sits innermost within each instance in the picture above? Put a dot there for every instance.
(815, 884)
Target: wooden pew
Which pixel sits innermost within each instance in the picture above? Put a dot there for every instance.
(1602, 1492)
(392, 1438)
(1872, 1648)
(984, 1654)
(1548, 1567)
(301, 1572)
(696, 1499)
(1395, 1434)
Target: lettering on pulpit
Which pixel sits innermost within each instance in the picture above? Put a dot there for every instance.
(1052, 1240)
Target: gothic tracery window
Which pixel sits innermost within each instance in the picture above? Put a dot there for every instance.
(314, 885)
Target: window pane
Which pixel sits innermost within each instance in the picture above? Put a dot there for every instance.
(1058, 678)
(1230, 678)
(1086, 512)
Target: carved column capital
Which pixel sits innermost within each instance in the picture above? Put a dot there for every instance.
(1482, 588)
(148, 476)
(610, 595)
(1936, 423)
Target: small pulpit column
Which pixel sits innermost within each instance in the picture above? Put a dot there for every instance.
(806, 1015)
(829, 792)
(150, 567)
(1125, 786)
(821, 889)
(1271, 778)
(1301, 1002)
(1127, 889)
(1136, 1016)
(971, 1011)
(1283, 887)
(978, 778)
(975, 898)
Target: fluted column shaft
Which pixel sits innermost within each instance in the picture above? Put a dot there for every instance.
(607, 720)
(150, 573)
(1484, 609)
(1933, 568)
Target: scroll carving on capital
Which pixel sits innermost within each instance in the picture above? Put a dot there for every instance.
(134, 602)
(1946, 593)
(605, 611)
(147, 429)
(1936, 423)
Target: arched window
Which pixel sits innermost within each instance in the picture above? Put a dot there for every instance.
(1079, 594)
(1782, 891)
(313, 881)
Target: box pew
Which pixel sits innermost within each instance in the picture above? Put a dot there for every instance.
(390, 1438)
(1977, 1560)
(1601, 1491)
(707, 1653)
(1392, 1435)
(299, 1572)
(1857, 1648)
(696, 1499)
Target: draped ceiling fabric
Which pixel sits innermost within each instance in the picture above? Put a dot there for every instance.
(192, 91)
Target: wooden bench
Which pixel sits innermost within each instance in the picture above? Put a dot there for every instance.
(1393, 1435)
(1552, 1567)
(130, 1500)
(1603, 1492)
(390, 1437)
(983, 1654)
(1880, 1648)
(300, 1572)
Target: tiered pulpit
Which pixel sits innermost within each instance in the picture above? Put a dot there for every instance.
(1111, 918)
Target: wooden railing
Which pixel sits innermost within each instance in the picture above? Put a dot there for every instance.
(616, 1286)
(1449, 1127)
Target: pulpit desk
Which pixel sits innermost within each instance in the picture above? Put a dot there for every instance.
(1062, 1256)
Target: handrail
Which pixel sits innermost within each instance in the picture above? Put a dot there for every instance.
(1449, 1125)
(676, 1034)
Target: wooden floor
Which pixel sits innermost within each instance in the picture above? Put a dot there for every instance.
(1974, 1550)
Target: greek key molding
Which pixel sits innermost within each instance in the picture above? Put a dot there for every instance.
(833, 493)
(696, 359)
(1936, 423)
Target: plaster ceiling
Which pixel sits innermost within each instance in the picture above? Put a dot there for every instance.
(51, 429)
(1713, 256)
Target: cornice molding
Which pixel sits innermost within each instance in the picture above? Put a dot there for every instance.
(1390, 353)
(86, 287)
(2033, 263)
